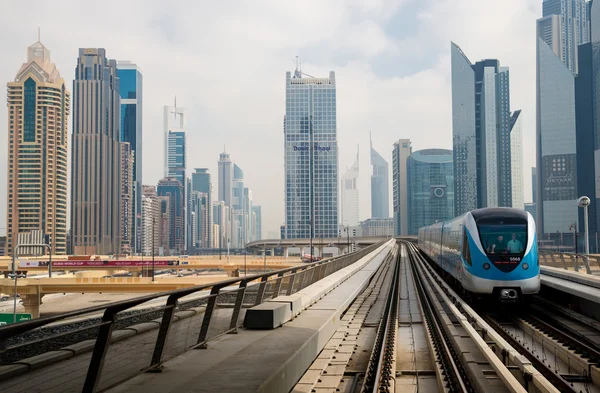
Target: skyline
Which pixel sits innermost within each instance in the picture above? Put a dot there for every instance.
(391, 101)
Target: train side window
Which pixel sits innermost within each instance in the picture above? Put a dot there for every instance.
(466, 253)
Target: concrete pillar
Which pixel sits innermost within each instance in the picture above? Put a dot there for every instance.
(285, 252)
(272, 251)
(319, 251)
(32, 303)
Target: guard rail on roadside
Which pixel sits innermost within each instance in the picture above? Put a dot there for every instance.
(251, 290)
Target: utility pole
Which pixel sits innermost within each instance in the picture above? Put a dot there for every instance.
(153, 221)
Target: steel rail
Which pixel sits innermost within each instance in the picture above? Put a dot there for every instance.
(453, 302)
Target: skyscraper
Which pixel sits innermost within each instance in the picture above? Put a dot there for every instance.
(38, 112)
(127, 199)
(574, 28)
(171, 187)
(534, 184)
(225, 179)
(380, 186)
(430, 184)
(221, 217)
(237, 205)
(201, 182)
(311, 156)
(151, 218)
(130, 78)
(481, 133)
(402, 150)
(562, 28)
(516, 162)
(350, 199)
(257, 210)
(175, 124)
(96, 199)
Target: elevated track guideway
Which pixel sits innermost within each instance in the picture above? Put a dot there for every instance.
(383, 319)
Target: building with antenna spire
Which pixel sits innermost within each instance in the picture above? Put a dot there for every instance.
(37, 150)
(311, 156)
(380, 185)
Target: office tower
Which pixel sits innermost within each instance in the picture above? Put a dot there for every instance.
(516, 162)
(151, 219)
(564, 26)
(481, 133)
(311, 156)
(201, 182)
(376, 227)
(200, 208)
(530, 208)
(38, 110)
(130, 80)
(574, 21)
(97, 153)
(175, 125)
(225, 179)
(221, 217)
(430, 175)
(380, 185)
(127, 199)
(173, 206)
(349, 188)
(257, 210)
(247, 209)
(402, 149)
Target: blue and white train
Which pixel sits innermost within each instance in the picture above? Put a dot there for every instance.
(491, 251)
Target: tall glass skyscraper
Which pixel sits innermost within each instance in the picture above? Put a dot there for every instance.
(176, 152)
(380, 185)
(130, 77)
(481, 125)
(563, 27)
(311, 156)
(430, 188)
(38, 111)
(516, 162)
(172, 189)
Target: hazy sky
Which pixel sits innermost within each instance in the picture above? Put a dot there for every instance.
(226, 62)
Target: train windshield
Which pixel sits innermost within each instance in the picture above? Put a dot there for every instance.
(503, 238)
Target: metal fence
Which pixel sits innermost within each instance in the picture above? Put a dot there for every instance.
(187, 318)
(589, 264)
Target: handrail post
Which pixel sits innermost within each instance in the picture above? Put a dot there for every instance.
(261, 290)
(239, 300)
(210, 306)
(94, 373)
(291, 282)
(163, 331)
(278, 284)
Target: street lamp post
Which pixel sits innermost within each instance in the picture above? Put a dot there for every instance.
(585, 203)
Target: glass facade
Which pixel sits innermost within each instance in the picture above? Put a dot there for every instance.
(177, 155)
(430, 188)
(130, 80)
(311, 157)
(172, 188)
(481, 124)
(380, 186)
(201, 183)
(402, 150)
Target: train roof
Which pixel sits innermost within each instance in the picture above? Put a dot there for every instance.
(498, 212)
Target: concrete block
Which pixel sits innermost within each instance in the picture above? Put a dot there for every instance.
(45, 359)
(268, 315)
(185, 314)
(81, 347)
(295, 302)
(144, 327)
(7, 372)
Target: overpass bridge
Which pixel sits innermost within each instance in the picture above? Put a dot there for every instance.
(378, 320)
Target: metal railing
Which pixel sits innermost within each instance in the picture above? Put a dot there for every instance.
(222, 311)
(570, 261)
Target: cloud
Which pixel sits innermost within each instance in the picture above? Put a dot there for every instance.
(226, 62)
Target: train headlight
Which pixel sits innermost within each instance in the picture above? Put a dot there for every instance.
(525, 266)
(486, 266)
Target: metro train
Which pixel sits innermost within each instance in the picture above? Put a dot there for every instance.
(490, 252)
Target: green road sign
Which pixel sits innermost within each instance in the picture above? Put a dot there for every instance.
(7, 319)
